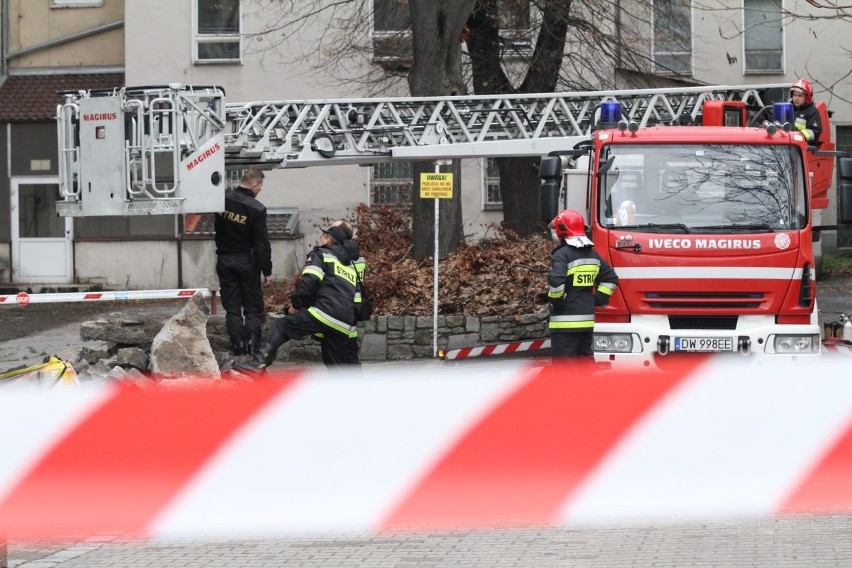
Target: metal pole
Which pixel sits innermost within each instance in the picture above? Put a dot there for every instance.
(435, 277)
(4, 551)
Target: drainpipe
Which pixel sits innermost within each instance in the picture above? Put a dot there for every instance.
(179, 252)
(4, 46)
(64, 40)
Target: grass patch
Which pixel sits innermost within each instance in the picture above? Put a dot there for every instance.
(836, 265)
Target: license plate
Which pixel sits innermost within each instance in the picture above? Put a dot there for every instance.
(703, 344)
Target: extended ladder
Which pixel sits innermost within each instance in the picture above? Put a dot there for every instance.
(166, 149)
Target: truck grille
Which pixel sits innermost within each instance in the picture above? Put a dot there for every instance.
(703, 322)
(705, 300)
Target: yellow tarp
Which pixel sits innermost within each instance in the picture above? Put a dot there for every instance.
(52, 373)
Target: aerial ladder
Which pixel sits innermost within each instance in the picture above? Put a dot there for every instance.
(169, 149)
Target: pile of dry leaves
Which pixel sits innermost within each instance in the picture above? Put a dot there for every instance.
(500, 275)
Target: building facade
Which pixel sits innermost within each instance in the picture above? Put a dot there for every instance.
(258, 50)
(47, 47)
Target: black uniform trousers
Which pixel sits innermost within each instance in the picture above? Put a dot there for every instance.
(332, 355)
(576, 344)
(336, 347)
(242, 295)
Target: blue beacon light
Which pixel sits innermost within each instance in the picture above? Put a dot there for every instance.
(782, 113)
(611, 112)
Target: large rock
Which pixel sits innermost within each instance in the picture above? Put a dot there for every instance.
(123, 329)
(181, 348)
(217, 334)
(134, 357)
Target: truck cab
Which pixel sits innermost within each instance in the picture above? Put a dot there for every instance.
(710, 231)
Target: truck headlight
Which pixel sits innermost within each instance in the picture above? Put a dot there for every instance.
(613, 342)
(795, 344)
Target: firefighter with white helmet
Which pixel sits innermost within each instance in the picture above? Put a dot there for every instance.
(579, 279)
(806, 116)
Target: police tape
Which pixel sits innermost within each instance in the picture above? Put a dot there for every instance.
(838, 346)
(23, 299)
(539, 346)
(416, 447)
(496, 349)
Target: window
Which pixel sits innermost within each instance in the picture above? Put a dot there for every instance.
(493, 198)
(514, 18)
(673, 37)
(392, 45)
(76, 3)
(391, 184)
(280, 223)
(392, 32)
(217, 31)
(132, 227)
(763, 35)
(708, 187)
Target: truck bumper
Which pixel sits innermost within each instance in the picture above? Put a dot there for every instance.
(653, 344)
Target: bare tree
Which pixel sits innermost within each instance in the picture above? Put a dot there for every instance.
(578, 45)
(491, 64)
(436, 70)
(518, 176)
(512, 46)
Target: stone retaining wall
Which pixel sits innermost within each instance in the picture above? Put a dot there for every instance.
(388, 338)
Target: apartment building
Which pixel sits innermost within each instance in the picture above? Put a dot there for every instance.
(47, 47)
(255, 52)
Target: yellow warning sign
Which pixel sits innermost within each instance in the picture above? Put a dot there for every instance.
(436, 186)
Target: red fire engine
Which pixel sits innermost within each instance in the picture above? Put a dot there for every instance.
(709, 227)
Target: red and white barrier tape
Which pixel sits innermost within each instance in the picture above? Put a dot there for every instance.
(425, 447)
(23, 298)
(497, 349)
(834, 346)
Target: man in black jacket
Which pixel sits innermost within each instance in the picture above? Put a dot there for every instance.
(323, 303)
(579, 279)
(243, 255)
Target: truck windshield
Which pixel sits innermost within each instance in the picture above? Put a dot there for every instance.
(703, 188)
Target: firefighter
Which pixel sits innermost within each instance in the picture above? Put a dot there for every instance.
(579, 279)
(351, 357)
(243, 255)
(806, 116)
(353, 248)
(323, 303)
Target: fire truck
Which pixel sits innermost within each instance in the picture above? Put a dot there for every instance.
(726, 266)
(711, 228)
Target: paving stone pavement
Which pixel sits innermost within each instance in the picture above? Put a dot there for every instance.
(800, 542)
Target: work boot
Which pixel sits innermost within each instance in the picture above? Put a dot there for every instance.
(238, 346)
(253, 342)
(259, 361)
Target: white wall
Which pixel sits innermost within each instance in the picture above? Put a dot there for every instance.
(817, 50)
(135, 265)
(153, 265)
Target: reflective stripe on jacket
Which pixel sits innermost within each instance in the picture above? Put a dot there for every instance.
(808, 122)
(579, 279)
(327, 289)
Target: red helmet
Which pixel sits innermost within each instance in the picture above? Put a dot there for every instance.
(567, 224)
(804, 86)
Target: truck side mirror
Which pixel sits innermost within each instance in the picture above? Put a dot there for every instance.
(550, 172)
(844, 189)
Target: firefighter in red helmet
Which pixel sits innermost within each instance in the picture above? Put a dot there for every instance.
(579, 279)
(806, 116)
